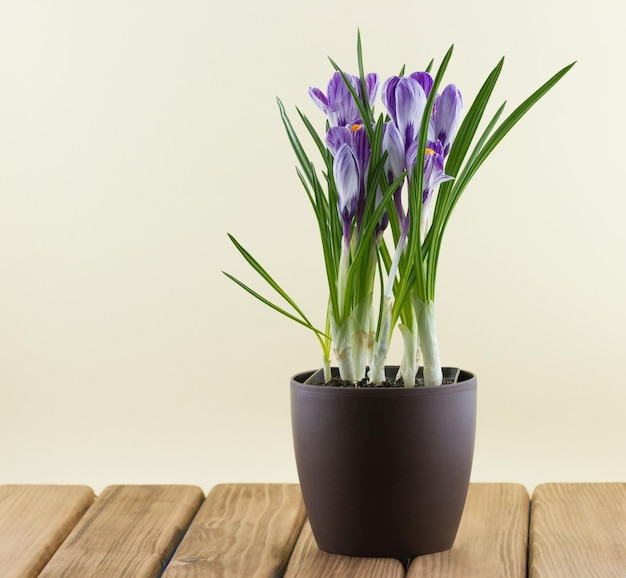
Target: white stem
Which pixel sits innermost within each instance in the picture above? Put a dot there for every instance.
(381, 348)
(371, 340)
(394, 266)
(408, 367)
(342, 277)
(327, 372)
(425, 311)
(360, 318)
(340, 331)
(342, 347)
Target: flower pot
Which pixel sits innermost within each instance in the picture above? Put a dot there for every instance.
(384, 472)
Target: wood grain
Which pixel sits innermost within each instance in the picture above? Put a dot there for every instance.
(129, 532)
(492, 537)
(308, 561)
(578, 530)
(241, 530)
(34, 521)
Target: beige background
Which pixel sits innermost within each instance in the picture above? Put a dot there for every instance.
(135, 134)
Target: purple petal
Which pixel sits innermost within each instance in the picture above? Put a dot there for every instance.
(425, 80)
(371, 83)
(394, 146)
(411, 156)
(389, 96)
(361, 146)
(346, 173)
(343, 109)
(338, 136)
(447, 116)
(410, 104)
(362, 150)
(319, 98)
(434, 174)
(436, 147)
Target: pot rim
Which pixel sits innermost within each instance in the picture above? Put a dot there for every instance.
(468, 381)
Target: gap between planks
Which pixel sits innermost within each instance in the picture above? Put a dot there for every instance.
(241, 530)
(492, 538)
(129, 532)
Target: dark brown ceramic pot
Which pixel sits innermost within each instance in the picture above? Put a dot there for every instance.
(384, 472)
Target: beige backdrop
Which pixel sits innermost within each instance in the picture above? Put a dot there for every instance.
(135, 134)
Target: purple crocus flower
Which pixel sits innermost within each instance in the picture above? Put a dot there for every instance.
(446, 117)
(347, 180)
(434, 173)
(393, 145)
(355, 138)
(338, 103)
(338, 136)
(405, 99)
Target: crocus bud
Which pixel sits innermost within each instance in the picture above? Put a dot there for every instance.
(447, 117)
(346, 173)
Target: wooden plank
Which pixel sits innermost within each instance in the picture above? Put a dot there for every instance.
(492, 538)
(578, 530)
(34, 521)
(129, 532)
(308, 561)
(241, 530)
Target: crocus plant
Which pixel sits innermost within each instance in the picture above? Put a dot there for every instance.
(388, 187)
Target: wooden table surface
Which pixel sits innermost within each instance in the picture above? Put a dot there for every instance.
(260, 530)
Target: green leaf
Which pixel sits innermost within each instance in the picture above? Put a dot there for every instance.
(275, 307)
(266, 276)
(304, 161)
(510, 122)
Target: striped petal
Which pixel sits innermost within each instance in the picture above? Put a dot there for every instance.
(425, 80)
(336, 137)
(447, 116)
(393, 145)
(346, 173)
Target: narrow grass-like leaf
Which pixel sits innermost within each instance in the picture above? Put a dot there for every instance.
(325, 154)
(365, 98)
(295, 141)
(266, 276)
(276, 307)
(509, 123)
(434, 241)
(483, 138)
(484, 148)
(462, 142)
(381, 288)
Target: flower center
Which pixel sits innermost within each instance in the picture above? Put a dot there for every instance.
(429, 152)
(355, 127)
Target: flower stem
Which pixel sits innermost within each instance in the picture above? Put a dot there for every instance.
(381, 348)
(425, 311)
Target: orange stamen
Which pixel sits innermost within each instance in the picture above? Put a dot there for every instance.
(429, 152)
(355, 127)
